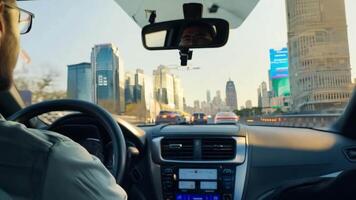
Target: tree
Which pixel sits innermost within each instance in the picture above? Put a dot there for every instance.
(248, 112)
(41, 88)
(278, 111)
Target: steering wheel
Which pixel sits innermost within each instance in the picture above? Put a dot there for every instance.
(103, 117)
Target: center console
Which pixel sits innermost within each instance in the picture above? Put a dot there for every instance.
(199, 168)
(198, 182)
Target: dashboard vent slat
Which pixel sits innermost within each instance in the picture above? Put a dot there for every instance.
(218, 148)
(177, 149)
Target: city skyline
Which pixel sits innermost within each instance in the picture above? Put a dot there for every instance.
(86, 81)
(246, 51)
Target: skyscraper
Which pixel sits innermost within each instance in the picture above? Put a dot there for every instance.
(319, 68)
(218, 95)
(144, 89)
(197, 105)
(109, 78)
(248, 104)
(208, 96)
(139, 77)
(129, 88)
(231, 96)
(148, 97)
(259, 97)
(164, 86)
(178, 93)
(139, 84)
(80, 82)
(265, 97)
(139, 96)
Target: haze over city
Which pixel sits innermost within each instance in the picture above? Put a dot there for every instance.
(245, 58)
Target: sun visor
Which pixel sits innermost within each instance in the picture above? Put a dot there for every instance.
(234, 11)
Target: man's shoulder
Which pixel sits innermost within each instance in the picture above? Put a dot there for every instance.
(24, 155)
(66, 169)
(19, 135)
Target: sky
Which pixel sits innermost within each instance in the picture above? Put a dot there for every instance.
(64, 31)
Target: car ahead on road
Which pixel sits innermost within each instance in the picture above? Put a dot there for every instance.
(169, 117)
(199, 118)
(226, 118)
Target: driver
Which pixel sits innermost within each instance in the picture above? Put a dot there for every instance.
(197, 34)
(37, 164)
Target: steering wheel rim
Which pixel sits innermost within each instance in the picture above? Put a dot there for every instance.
(110, 125)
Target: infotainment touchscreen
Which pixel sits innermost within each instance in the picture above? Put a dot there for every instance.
(208, 185)
(198, 197)
(198, 174)
(214, 182)
(186, 185)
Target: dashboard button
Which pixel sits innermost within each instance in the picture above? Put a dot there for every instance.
(167, 182)
(168, 171)
(227, 197)
(227, 185)
(227, 178)
(227, 172)
(170, 197)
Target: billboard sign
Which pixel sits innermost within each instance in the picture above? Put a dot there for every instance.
(281, 87)
(279, 72)
(279, 63)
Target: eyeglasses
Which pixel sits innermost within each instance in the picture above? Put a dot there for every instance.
(25, 19)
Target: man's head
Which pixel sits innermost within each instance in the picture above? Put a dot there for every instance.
(197, 34)
(9, 42)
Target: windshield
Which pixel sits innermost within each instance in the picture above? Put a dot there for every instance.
(290, 63)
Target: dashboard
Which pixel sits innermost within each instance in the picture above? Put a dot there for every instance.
(199, 162)
(213, 162)
(240, 162)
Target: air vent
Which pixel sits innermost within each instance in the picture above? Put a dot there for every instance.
(218, 149)
(177, 149)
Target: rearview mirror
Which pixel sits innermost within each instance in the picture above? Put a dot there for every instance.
(186, 34)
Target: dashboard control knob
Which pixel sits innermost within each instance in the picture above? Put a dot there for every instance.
(167, 171)
(227, 172)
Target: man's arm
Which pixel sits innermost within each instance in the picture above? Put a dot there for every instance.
(73, 173)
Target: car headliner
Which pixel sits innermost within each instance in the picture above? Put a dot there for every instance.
(234, 11)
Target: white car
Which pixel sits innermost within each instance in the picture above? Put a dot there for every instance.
(226, 118)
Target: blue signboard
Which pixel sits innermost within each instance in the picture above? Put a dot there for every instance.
(279, 72)
(279, 63)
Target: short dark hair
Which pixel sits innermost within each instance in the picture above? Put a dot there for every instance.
(202, 25)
